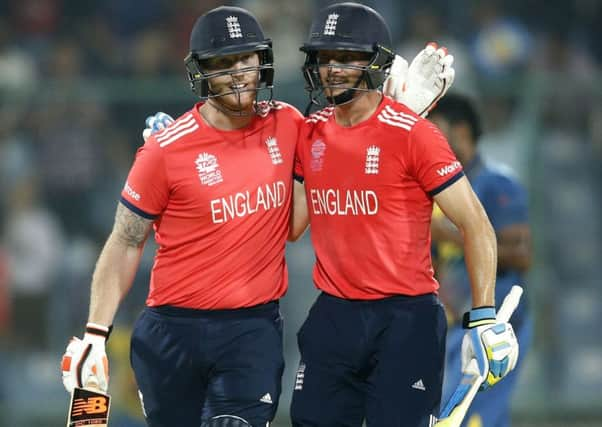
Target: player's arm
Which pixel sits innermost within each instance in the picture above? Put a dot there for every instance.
(461, 205)
(490, 342)
(85, 360)
(117, 264)
(299, 219)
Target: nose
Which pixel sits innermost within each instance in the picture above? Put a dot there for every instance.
(334, 66)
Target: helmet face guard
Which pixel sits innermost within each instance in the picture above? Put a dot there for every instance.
(199, 77)
(223, 31)
(347, 27)
(373, 75)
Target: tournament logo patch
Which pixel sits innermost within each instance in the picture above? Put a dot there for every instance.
(208, 169)
(372, 160)
(274, 150)
(318, 148)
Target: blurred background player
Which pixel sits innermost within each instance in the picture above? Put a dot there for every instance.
(373, 345)
(505, 201)
(209, 343)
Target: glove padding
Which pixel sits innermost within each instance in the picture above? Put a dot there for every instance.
(155, 123)
(85, 362)
(491, 343)
(424, 82)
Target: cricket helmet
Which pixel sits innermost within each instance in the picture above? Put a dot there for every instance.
(353, 27)
(227, 30)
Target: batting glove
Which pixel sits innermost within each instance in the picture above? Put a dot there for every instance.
(491, 343)
(424, 82)
(156, 123)
(85, 361)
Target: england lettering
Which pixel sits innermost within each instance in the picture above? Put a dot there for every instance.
(238, 205)
(330, 201)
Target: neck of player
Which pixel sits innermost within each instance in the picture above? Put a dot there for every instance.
(359, 109)
(218, 118)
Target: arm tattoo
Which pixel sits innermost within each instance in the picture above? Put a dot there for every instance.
(130, 228)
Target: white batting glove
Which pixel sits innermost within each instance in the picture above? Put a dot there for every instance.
(85, 361)
(396, 81)
(428, 78)
(491, 343)
(156, 123)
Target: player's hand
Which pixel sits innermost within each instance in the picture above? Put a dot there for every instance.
(429, 76)
(156, 123)
(85, 361)
(491, 343)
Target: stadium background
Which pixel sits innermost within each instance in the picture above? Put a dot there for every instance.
(78, 78)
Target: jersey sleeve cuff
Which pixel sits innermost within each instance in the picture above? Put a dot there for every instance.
(446, 184)
(136, 209)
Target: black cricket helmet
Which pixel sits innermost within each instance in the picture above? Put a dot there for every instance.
(227, 30)
(353, 27)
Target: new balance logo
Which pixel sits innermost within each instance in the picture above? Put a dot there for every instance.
(419, 385)
(266, 398)
(93, 405)
(331, 24)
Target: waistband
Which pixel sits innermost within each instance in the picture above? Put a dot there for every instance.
(183, 312)
(403, 299)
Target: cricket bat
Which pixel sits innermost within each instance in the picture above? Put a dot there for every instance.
(89, 407)
(455, 410)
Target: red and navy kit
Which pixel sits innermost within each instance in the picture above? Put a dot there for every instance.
(369, 190)
(220, 201)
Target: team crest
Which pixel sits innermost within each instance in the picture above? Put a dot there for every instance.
(233, 26)
(208, 169)
(331, 24)
(317, 155)
(274, 150)
(372, 160)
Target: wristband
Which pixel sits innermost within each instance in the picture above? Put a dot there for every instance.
(478, 316)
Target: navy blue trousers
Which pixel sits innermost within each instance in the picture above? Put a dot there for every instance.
(380, 361)
(192, 365)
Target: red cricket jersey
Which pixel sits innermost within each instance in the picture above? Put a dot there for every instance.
(221, 202)
(369, 191)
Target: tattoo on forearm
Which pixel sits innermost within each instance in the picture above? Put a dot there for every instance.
(130, 228)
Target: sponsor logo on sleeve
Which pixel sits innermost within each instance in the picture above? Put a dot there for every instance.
(446, 170)
(130, 192)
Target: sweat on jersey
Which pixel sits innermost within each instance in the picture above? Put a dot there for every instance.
(370, 191)
(220, 201)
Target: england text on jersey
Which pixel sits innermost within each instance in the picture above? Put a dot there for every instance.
(335, 201)
(240, 204)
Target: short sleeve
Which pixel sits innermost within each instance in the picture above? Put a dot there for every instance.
(298, 172)
(432, 161)
(146, 189)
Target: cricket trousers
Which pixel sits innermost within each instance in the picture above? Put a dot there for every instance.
(193, 365)
(380, 361)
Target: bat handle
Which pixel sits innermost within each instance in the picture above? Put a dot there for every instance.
(510, 303)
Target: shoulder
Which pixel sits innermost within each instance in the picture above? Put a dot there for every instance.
(395, 114)
(181, 130)
(278, 108)
(320, 116)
